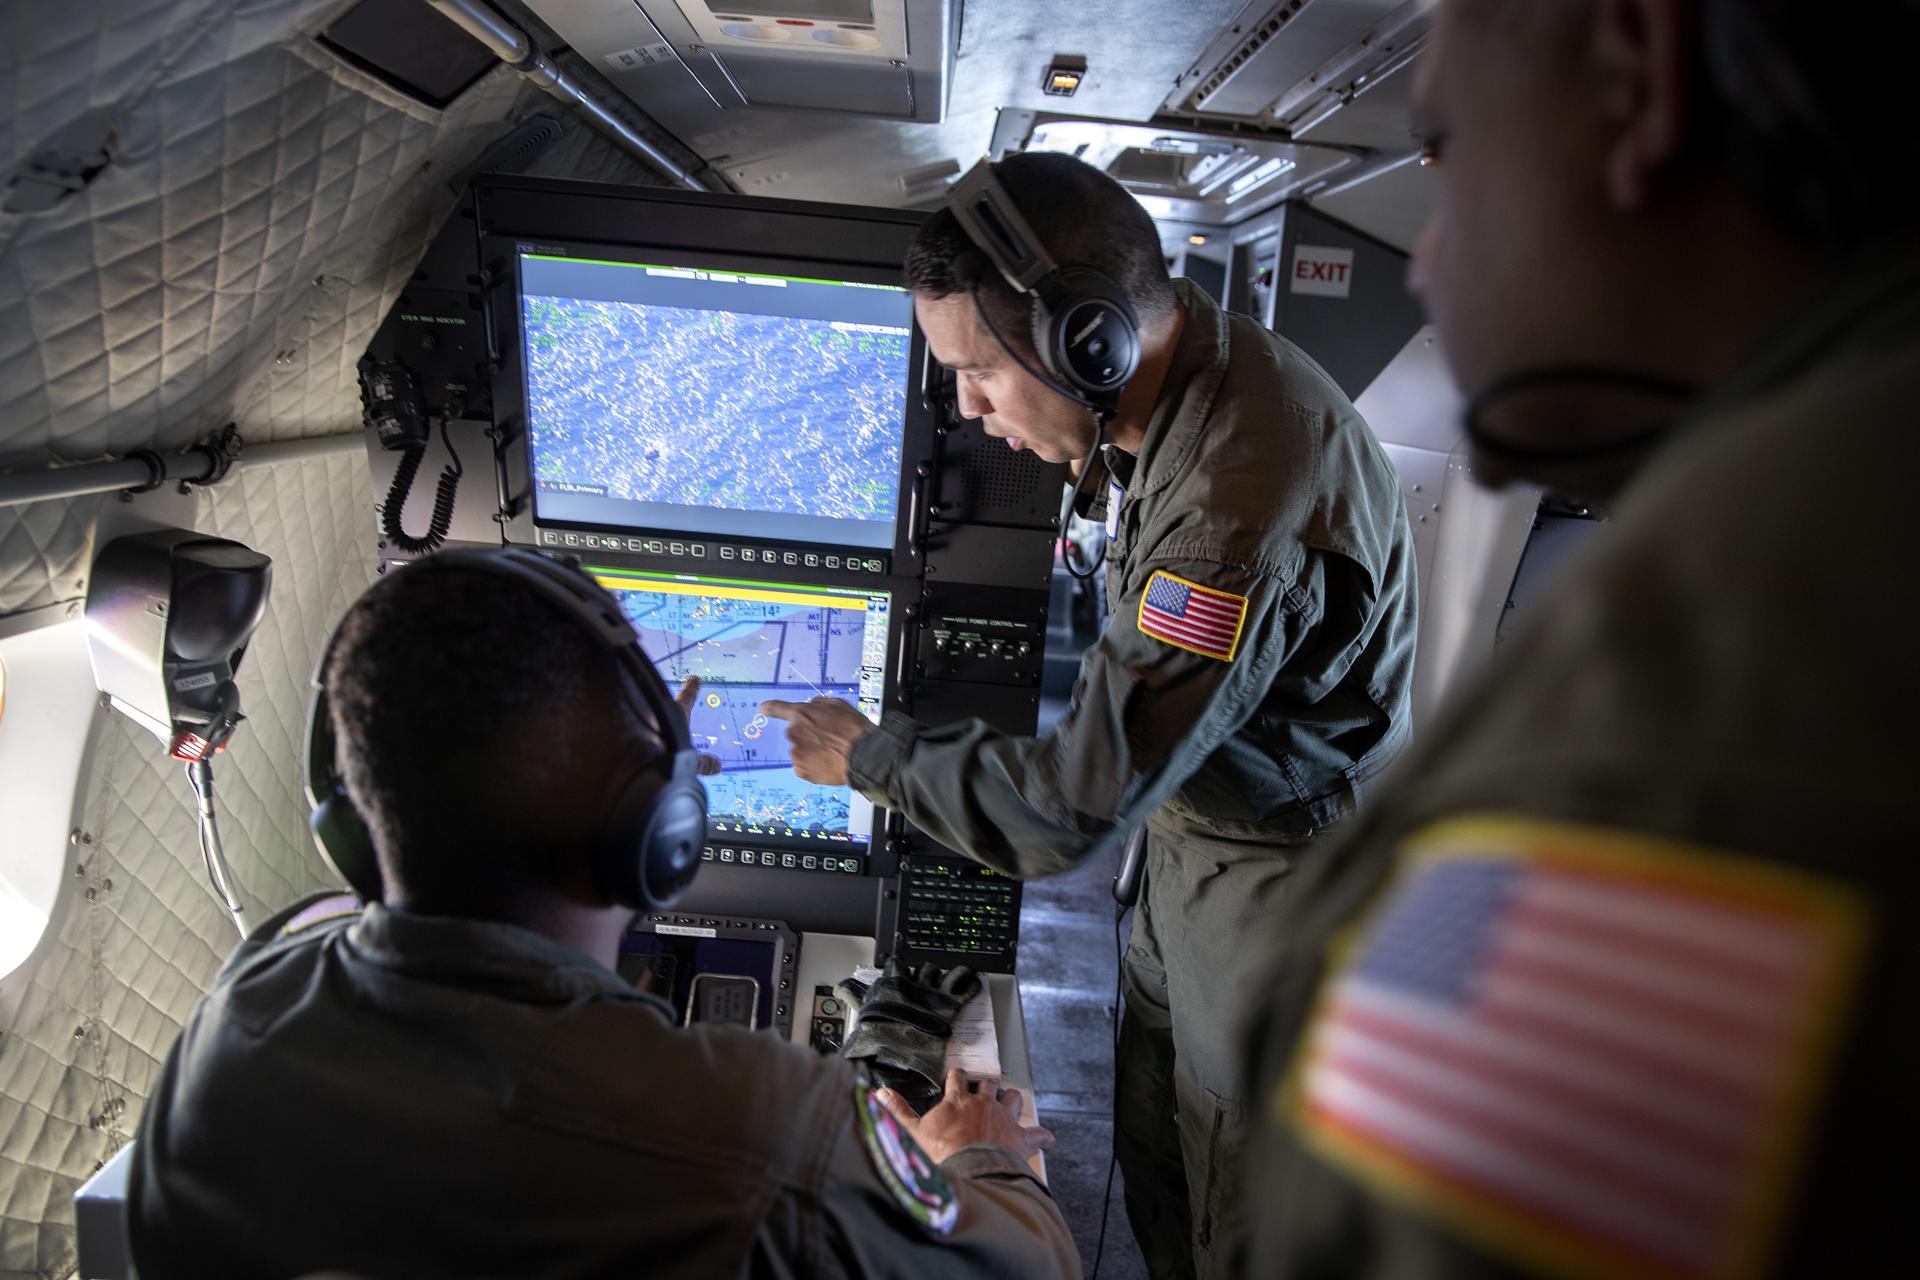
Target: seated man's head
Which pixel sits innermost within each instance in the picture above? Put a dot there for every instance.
(1647, 186)
(481, 731)
(1085, 219)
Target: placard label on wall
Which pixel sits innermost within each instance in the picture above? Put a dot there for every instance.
(647, 55)
(1323, 270)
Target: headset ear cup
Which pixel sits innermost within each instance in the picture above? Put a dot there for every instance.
(1092, 334)
(1044, 340)
(340, 834)
(619, 854)
(674, 841)
(345, 844)
(650, 850)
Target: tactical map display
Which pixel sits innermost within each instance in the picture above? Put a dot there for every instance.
(748, 642)
(704, 401)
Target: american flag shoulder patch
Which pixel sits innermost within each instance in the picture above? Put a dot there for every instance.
(1593, 1051)
(1188, 616)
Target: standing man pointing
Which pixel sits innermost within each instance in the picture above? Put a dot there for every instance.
(1255, 670)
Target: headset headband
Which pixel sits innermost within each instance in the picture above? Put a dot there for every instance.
(570, 589)
(997, 228)
(648, 846)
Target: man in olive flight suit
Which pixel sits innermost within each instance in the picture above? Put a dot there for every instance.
(457, 1082)
(1253, 675)
(1632, 988)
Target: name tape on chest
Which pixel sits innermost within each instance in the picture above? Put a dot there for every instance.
(1189, 616)
(908, 1173)
(1593, 1050)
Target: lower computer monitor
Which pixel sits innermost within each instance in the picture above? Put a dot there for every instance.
(747, 642)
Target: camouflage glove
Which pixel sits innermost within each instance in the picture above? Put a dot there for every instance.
(902, 1022)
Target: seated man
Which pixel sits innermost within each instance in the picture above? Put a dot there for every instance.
(1617, 977)
(456, 1082)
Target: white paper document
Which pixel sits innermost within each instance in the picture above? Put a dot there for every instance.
(974, 1047)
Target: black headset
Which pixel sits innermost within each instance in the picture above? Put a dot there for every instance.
(654, 818)
(1084, 329)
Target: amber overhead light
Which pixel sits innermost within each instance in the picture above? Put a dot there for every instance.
(1064, 75)
(1196, 238)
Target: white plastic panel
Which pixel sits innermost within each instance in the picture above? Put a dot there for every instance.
(1468, 539)
(44, 720)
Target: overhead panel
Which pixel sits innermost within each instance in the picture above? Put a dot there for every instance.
(1371, 107)
(1366, 84)
(890, 59)
(1182, 173)
(1280, 52)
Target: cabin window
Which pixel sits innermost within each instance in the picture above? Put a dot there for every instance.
(47, 702)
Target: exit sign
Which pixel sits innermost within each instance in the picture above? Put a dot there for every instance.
(1319, 269)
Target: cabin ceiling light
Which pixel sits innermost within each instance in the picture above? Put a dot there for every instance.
(1064, 75)
(1156, 206)
(929, 178)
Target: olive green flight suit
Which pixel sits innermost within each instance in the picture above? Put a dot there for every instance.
(1256, 479)
(1732, 666)
(394, 1094)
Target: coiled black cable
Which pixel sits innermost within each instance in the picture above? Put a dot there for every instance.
(1101, 417)
(445, 491)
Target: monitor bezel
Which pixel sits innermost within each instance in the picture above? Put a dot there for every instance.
(891, 691)
(510, 375)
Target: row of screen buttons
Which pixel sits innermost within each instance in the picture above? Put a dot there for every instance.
(698, 551)
(635, 546)
(788, 861)
(712, 923)
(798, 559)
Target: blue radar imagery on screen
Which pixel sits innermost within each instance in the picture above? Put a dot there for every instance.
(747, 642)
(720, 402)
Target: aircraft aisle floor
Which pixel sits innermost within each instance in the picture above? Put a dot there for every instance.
(1066, 991)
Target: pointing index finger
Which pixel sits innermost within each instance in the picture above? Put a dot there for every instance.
(782, 710)
(688, 692)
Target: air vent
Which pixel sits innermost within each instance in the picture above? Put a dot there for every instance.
(1276, 46)
(513, 153)
(1244, 54)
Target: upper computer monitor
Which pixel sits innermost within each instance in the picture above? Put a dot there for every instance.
(706, 400)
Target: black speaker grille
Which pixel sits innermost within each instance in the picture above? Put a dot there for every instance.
(1000, 478)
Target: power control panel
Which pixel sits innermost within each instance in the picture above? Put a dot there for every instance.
(955, 909)
(981, 647)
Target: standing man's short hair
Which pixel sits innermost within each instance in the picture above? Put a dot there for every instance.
(478, 729)
(1082, 216)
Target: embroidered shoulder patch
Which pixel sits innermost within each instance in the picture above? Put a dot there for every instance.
(1594, 1050)
(1189, 616)
(910, 1175)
